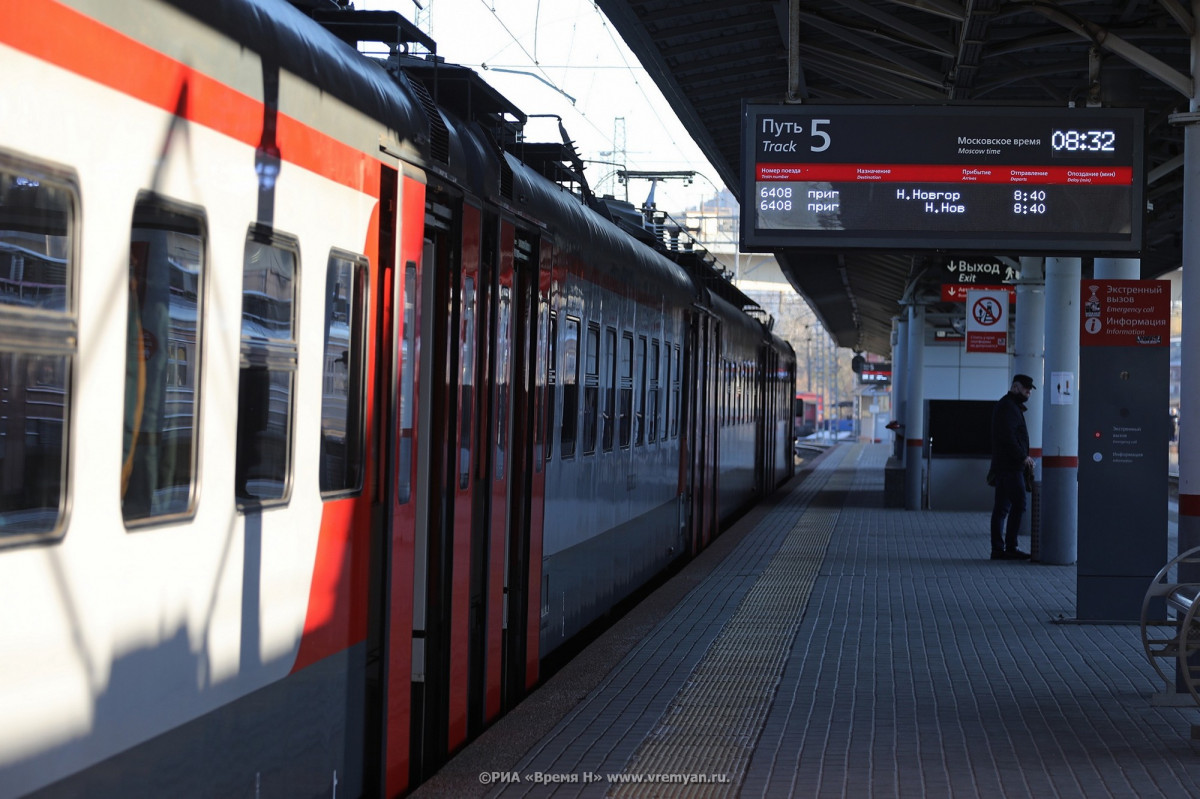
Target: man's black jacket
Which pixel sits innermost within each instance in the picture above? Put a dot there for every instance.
(1010, 437)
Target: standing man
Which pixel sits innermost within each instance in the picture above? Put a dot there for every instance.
(1010, 460)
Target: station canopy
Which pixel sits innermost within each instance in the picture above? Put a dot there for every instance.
(710, 56)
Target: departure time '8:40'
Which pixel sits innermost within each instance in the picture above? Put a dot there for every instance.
(1029, 202)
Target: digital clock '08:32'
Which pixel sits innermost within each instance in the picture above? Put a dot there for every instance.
(1084, 141)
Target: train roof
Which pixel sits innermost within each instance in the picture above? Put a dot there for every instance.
(458, 123)
(285, 37)
(623, 259)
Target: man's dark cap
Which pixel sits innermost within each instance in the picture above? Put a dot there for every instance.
(1024, 380)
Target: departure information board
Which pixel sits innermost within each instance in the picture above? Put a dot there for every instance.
(1002, 179)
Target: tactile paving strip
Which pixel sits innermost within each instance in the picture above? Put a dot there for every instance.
(710, 729)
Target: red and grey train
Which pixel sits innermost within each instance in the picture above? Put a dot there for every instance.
(329, 408)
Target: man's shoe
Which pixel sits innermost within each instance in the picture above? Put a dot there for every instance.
(997, 554)
(1015, 554)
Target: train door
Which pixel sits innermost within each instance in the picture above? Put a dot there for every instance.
(463, 431)
(445, 480)
(499, 475)
(518, 477)
(492, 473)
(537, 611)
(508, 477)
(702, 426)
(527, 477)
(390, 668)
(479, 626)
(764, 455)
(712, 455)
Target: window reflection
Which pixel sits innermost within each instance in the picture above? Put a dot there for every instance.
(166, 262)
(570, 386)
(341, 394)
(503, 379)
(37, 346)
(591, 387)
(408, 355)
(35, 245)
(466, 401)
(269, 353)
(625, 410)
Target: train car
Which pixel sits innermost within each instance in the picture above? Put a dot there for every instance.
(809, 413)
(330, 407)
(754, 366)
(617, 331)
(778, 376)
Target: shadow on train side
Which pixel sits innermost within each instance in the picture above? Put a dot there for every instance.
(284, 727)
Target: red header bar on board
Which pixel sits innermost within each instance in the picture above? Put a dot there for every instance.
(957, 292)
(941, 173)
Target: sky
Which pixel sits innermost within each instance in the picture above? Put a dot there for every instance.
(573, 64)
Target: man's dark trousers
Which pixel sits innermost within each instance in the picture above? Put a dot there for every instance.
(1010, 499)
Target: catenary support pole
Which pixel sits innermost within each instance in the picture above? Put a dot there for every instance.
(1060, 420)
(899, 381)
(1117, 269)
(1029, 359)
(914, 417)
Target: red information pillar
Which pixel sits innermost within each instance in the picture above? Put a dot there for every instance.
(1124, 431)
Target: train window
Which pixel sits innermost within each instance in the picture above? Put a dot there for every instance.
(741, 392)
(591, 387)
(653, 371)
(739, 397)
(747, 391)
(735, 392)
(667, 364)
(38, 341)
(625, 409)
(639, 429)
(504, 343)
(266, 385)
(730, 392)
(162, 401)
(738, 392)
(676, 384)
(466, 399)
(342, 433)
(570, 386)
(408, 356)
(551, 382)
(540, 377)
(720, 391)
(610, 388)
(727, 390)
(751, 399)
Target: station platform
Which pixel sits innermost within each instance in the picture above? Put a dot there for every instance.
(827, 646)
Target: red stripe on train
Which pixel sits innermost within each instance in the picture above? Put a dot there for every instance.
(68, 39)
(337, 599)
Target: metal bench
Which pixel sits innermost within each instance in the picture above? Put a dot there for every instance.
(1178, 636)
